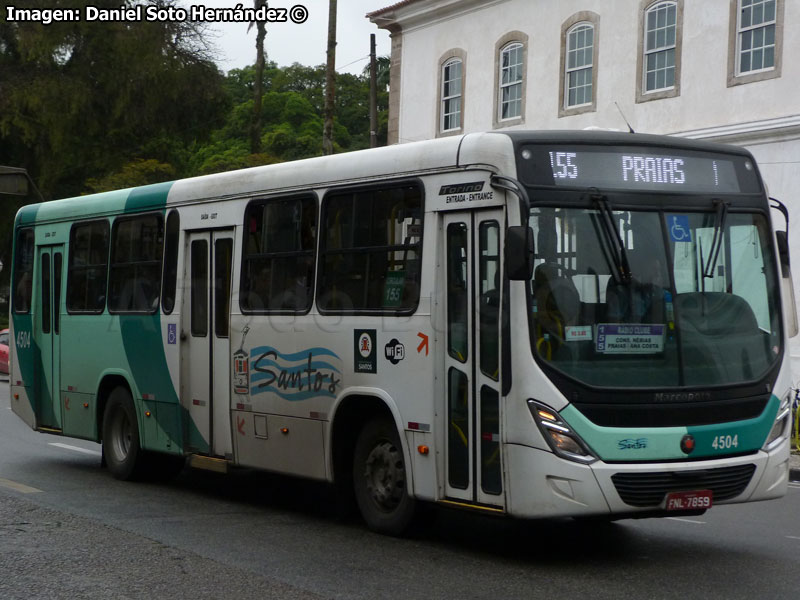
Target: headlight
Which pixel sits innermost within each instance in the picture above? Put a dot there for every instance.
(563, 441)
(781, 423)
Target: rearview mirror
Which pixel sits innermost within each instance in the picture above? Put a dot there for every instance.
(783, 252)
(519, 253)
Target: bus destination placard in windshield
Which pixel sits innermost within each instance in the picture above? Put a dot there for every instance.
(637, 168)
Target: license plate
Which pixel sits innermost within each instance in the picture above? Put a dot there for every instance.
(695, 500)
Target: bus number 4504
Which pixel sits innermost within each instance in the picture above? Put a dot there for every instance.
(23, 339)
(725, 442)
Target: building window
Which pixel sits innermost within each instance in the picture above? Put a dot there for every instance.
(511, 59)
(580, 44)
(756, 35)
(511, 75)
(756, 40)
(452, 84)
(579, 63)
(452, 80)
(660, 39)
(659, 51)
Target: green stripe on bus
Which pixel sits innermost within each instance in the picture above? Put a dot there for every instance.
(148, 197)
(627, 444)
(664, 443)
(732, 438)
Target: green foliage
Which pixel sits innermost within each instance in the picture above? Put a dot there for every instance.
(136, 173)
(93, 106)
(291, 117)
(80, 100)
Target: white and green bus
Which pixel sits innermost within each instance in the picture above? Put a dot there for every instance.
(535, 324)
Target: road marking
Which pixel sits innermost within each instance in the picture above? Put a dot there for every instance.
(793, 537)
(75, 449)
(686, 520)
(19, 487)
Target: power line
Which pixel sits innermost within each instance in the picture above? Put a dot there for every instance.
(352, 63)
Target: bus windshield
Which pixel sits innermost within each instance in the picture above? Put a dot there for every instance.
(642, 299)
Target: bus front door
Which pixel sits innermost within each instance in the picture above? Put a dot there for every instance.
(473, 280)
(47, 332)
(205, 356)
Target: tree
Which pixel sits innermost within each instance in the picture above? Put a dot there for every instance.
(330, 80)
(383, 68)
(258, 92)
(80, 100)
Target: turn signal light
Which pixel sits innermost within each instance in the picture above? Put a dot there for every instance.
(424, 450)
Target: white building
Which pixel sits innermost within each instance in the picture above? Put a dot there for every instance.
(722, 70)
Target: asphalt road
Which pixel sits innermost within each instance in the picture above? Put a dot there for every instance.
(69, 530)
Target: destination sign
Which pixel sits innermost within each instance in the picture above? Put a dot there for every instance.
(639, 168)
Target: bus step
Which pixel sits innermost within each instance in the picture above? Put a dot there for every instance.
(218, 465)
(50, 430)
(463, 504)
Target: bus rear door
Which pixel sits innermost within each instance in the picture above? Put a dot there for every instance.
(47, 333)
(205, 360)
(473, 277)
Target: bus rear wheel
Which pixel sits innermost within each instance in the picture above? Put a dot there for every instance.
(121, 450)
(380, 479)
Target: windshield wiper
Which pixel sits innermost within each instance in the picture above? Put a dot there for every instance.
(709, 265)
(621, 271)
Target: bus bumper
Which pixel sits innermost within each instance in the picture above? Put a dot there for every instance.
(543, 485)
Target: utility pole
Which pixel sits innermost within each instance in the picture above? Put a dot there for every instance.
(373, 94)
(330, 81)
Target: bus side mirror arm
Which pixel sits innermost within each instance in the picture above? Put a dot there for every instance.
(519, 248)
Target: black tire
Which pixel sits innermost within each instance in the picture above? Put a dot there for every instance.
(380, 479)
(121, 449)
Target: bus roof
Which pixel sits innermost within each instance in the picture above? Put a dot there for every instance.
(491, 150)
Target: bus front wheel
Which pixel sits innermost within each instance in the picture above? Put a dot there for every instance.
(121, 448)
(380, 479)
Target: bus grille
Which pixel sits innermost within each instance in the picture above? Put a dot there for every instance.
(649, 489)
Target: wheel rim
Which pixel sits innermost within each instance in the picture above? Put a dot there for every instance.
(385, 476)
(121, 435)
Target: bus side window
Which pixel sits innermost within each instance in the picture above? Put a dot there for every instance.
(23, 271)
(170, 283)
(278, 258)
(370, 250)
(87, 269)
(136, 256)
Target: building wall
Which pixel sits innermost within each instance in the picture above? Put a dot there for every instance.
(705, 98)
(763, 115)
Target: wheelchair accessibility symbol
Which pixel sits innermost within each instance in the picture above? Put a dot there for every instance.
(679, 230)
